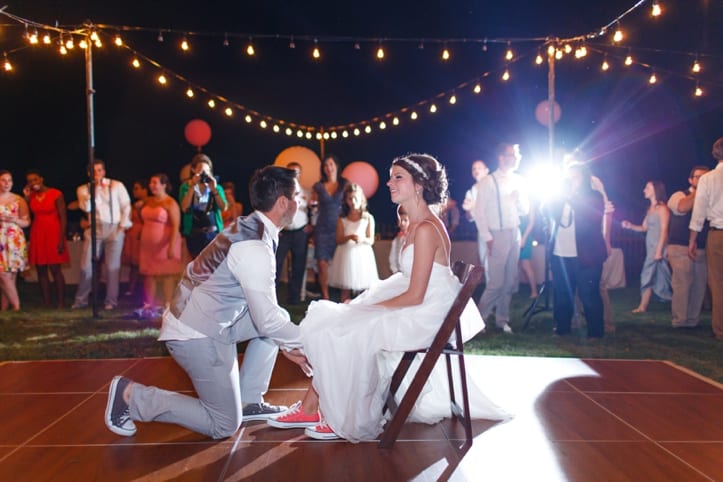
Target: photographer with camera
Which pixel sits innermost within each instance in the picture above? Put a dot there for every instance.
(202, 203)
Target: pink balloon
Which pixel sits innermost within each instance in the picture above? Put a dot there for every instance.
(197, 132)
(364, 174)
(542, 112)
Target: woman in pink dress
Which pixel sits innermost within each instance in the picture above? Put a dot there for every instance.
(160, 246)
(132, 242)
(48, 247)
(14, 217)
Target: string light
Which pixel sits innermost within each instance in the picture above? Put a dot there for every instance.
(581, 52)
(357, 46)
(605, 65)
(319, 136)
(160, 37)
(276, 128)
(136, 63)
(292, 45)
(696, 67)
(299, 133)
(538, 59)
(316, 53)
(333, 134)
(94, 36)
(558, 54)
(345, 134)
(308, 135)
(7, 66)
(368, 129)
(189, 93)
(653, 78)
(288, 131)
(395, 121)
(211, 103)
(420, 46)
(656, 9)
(118, 40)
(83, 44)
(228, 111)
(184, 44)
(453, 99)
(225, 42)
(698, 91)
(356, 131)
(33, 37)
(629, 60)
(413, 115)
(551, 50)
(380, 53)
(162, 79)
(509, 55)
(432, 109)
(477, 88)
(248, 119)
(46, 39)
(506, 75)
(98, 43)
(567, 48)
(618, 36)
(63, 50)
(250, 51)
(445, 54)
(70, 44)
(382, 125)
(263, 124)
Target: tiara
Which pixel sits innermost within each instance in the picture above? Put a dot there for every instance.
(416, 167)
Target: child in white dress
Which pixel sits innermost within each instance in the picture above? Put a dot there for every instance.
(354, 267)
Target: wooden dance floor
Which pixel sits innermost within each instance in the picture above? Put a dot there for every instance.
(575, 420)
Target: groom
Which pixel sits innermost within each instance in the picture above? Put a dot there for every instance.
(227, 295)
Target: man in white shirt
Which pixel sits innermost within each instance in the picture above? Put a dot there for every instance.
(294, 239)
(709, 205)
(501, 200)
(112, 217)
(689, 276)
(479, 171)
(227, 295)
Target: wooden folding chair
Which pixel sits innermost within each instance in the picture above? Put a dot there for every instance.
(470, 276)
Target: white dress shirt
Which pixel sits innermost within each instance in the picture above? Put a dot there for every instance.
(493, 212)
(709, 200)
(112, 203)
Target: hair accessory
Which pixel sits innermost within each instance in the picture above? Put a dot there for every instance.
(416, 167)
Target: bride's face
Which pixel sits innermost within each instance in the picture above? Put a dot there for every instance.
(401, 185)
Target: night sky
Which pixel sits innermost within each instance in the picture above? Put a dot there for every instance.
(633, 132)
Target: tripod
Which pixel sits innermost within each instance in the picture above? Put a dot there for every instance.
(543, 296)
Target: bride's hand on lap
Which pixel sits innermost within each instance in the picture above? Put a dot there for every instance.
(298, 357)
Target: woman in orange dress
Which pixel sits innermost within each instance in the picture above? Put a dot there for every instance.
(48, 247)
(160, 246)
(132, 243)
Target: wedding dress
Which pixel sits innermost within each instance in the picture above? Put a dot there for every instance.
(354, 348)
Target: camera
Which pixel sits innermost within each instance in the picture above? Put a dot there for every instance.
(205, 178)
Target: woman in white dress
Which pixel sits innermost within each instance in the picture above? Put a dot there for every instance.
(353, 267)
(348, 345)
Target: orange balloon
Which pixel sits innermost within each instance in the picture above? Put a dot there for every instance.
(364, 174)
(542, 112)
(307, 159)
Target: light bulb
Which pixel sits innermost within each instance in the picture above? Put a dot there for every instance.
(325, 135)
(445, 55)
(506, 75)
(316, 53)
(432, 108)
(653, 78)
(368, 129)
(118, 41)
(250, 51)
(509, 55)
(136, 63)
(558, 54)
(211, 103)
(334, 135)
(248, 118)
(46, 39)
(228, 111)
(395, 121)
(276, 128)
(696, 67)
(184, 45)
(656, 10)
(356, 131)
(189, 93)
(162, 79)
(263, 124)
(7, 66)
(477, 88)
(308, 135)
(538, 59)
(344, 133)
(453, 99)
(618, 36)
(413, 115)
(83, 44)
(380, 53)
(299, 133)
(698, 91)
(318, 136)
(605, 65)
(629, 60)
(94, 36)
(382, 125)
(288, 131)
(33, 38)
(63, 50)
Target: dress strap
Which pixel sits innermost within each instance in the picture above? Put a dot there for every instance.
(444, 245)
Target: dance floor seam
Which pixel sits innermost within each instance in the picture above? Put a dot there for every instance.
(573, 420)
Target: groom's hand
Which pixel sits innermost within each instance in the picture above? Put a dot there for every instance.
(298, 357)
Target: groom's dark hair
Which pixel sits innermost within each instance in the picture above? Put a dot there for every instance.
(268, 183)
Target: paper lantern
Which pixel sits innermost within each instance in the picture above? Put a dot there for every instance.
(197, 132)
(542, 112)
(307, 159)
(364, 174)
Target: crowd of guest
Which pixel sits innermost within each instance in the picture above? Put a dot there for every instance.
(332, 235)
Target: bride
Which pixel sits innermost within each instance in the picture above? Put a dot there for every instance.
(349, 345)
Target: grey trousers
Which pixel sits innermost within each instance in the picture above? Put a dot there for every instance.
(502, 275)
(689, 282)
(109, 240)
(220, 385)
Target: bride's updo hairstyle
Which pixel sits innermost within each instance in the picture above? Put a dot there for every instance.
(428, 173)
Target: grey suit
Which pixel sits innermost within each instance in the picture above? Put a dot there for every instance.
(219, 305)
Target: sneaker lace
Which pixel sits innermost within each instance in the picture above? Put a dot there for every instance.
(293, 410)
(122, 418)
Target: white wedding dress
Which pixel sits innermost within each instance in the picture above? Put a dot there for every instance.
(354, 348)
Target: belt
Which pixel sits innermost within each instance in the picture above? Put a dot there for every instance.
(207, 229)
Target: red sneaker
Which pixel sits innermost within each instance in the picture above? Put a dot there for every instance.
(294, 417)
(321, 432)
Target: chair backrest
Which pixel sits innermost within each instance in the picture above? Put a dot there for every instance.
(470, 276)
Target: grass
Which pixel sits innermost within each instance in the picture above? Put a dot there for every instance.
(38, 334)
